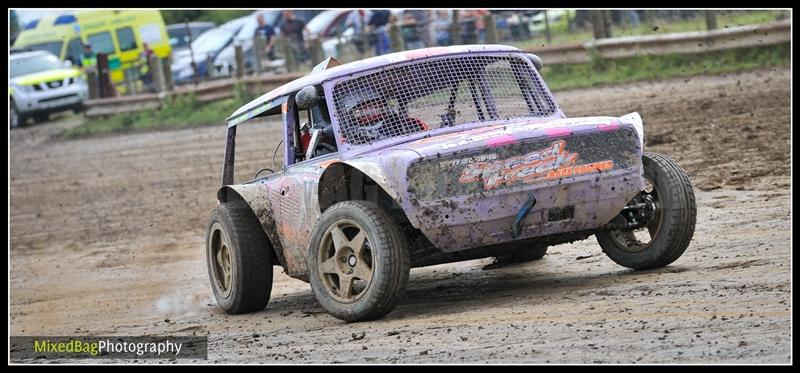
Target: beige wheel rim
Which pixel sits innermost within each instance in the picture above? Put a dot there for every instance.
(345, 261)
(220, 257)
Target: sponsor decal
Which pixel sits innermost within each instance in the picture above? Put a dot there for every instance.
(549, 163)
(502, 132)
(469, 160)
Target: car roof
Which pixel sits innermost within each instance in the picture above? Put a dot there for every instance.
(367, 64)
(15, 56)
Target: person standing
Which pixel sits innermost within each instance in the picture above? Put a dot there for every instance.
(357, 19)
(267, 33)
(441, 28)
(631, 17)
(145, 70)
(379, 24)
(294, 29)
(480, 25)
(88, 59)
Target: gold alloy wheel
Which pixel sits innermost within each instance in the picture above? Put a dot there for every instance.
(345, 261)
(221, 265)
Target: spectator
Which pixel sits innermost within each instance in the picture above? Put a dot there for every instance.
(88, 58)
(145, 70)
(420, 19)
(294, 29)
(441, 28)
(631, 17)
(267, 33)
(357, 19)
(379, 25)
(480, 25)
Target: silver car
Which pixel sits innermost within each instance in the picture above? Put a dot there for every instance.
(41, 84)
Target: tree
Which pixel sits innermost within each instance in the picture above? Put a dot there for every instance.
(178, 16)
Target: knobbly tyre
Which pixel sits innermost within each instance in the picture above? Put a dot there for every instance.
(432, 156)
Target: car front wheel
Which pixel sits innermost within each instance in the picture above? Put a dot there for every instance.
(666, 223)
(15, 119)
(358, 261)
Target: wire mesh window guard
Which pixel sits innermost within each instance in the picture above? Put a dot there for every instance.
(439, 92)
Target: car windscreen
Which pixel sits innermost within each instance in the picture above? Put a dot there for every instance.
(34, 64)
(53, 47)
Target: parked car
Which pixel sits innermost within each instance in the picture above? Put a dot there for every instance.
(121, 34)
(180, 35)
(537, 25)
(225, 62)
(41, 84)
(432, 156)
(331, 29)
(205, 48)
(332, 24)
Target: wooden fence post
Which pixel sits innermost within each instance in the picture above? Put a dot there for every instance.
(455, 29)
(598, 29)
(395, 36)
(258, 51)
(315, 50)
(167, 71)
(92, 79)
(239, 61)
(547, 28)
(490, 29)
(607, 23)
(157, 72)
(106, 87)
(711, 20)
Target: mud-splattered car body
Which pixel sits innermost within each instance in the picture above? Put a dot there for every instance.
(461, 190)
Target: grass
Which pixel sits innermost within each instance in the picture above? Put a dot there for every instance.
(185, 111)
(561, 35)
(181, 111)
(604, 71)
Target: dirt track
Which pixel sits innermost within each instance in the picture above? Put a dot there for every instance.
(107, 238)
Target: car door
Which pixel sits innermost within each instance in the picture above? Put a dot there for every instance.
(295, 194)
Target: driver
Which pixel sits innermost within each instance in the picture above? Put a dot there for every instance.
(374, 119)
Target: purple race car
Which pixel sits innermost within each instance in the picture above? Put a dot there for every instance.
(433, 156)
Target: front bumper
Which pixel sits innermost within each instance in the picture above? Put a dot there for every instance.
(52, 96)
(473, 198)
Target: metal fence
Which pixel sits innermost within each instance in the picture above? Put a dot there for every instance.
(527, 29)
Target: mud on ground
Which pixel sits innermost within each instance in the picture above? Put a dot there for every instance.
(107, 237)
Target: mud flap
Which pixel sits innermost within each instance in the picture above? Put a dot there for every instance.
(516, 228)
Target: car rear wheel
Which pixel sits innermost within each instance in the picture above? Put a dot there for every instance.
(358, 261)
(239, 259)
(16, 119)
(666, 222)
(41, 117)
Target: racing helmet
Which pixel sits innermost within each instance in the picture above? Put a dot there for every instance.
(366, 106)
(368, 109)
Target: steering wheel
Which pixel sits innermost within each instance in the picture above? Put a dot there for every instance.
(262, 170)
(330, 148)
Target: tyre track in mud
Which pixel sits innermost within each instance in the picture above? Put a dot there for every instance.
(107, 238)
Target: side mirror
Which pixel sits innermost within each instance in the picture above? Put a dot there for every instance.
(307, 97)
(67, 64)
(537, 62)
